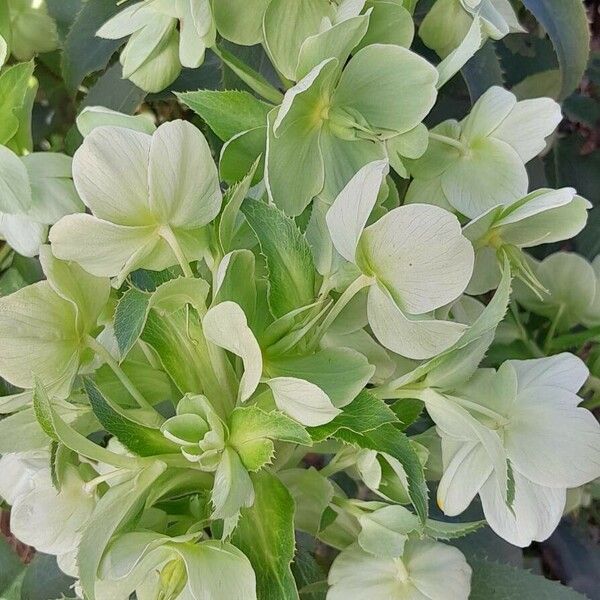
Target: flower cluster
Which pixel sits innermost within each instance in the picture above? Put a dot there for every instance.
(201, 327)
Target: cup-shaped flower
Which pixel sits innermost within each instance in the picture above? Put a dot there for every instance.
(198, 430)
(551, 445)
(225, 325)
(331, 124)
(479, 163)
(150, 196)
(36, 191)
(414, 260)
(206, 569)
(446, 24)
(41, 516)
(31, 29)
(570, 285)
(163, 37)
(44, 326)
(426, 569)
(542, 217)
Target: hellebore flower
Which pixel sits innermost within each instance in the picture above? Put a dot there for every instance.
(414, 260)
(150, 196)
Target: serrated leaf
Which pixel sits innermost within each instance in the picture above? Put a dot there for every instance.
(44, 580)
(250, 427)
(227, 112)
(363, 414)
(567, 26)
(143, 440)
(392, 441)
(441, 530)
(134, 306)
(407, 410)
(494, 581)
(265, 534)
(112, 91)
(289, 259)
(83, 52)
(56, 429)
(114, 511)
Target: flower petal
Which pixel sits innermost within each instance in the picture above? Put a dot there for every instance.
(419, 253)
(110, 171)
(183, 179)
(226, 326)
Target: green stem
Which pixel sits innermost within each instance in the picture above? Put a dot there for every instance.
(349, 293)
(553, 326)
(104, 354)
(535, 350)
(166, 233)
(574, 340)
(444, 139)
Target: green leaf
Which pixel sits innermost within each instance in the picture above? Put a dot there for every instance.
(567, 26)
(265, 534)
(133, 308)
(483, 71)
(309, 576)
(112, 91)
(340, 372)
(253, 79)
(408, 410)
(392, 441)
(130, 318)
(252, 429)
(440, 530)
(363, 414)
(143, 440)
(44, 580)
(56, 429)
(237, 282)
(17, 90)
(114, 511)
(227, 112)
(494, 581)
(12, 571)
(289, 259)
(83, 52)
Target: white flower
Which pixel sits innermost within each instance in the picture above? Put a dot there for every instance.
(52, 521)
(551, 444)
(36, 190)
(414, 260)
(150, 196)
(479, 163)
(427, 570)
(164, 36)
(542, 217)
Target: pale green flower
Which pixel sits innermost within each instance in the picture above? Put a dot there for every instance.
(41, 516)
(31, 30)
(150, 196)
(45, 326)
(414, 260)
(570, 286)
(240, 21)
(479, 163)
(331, 124)
(542, 217)
(206, 569)
(531, 408)
(36, 190)
(426, 570)
(446, 24)
(164, 35)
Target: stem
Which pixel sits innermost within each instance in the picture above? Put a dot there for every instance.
(349, 293)
(553, 326)
(444, 139)
(104, 354)
(166, 233)
(535, 350)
